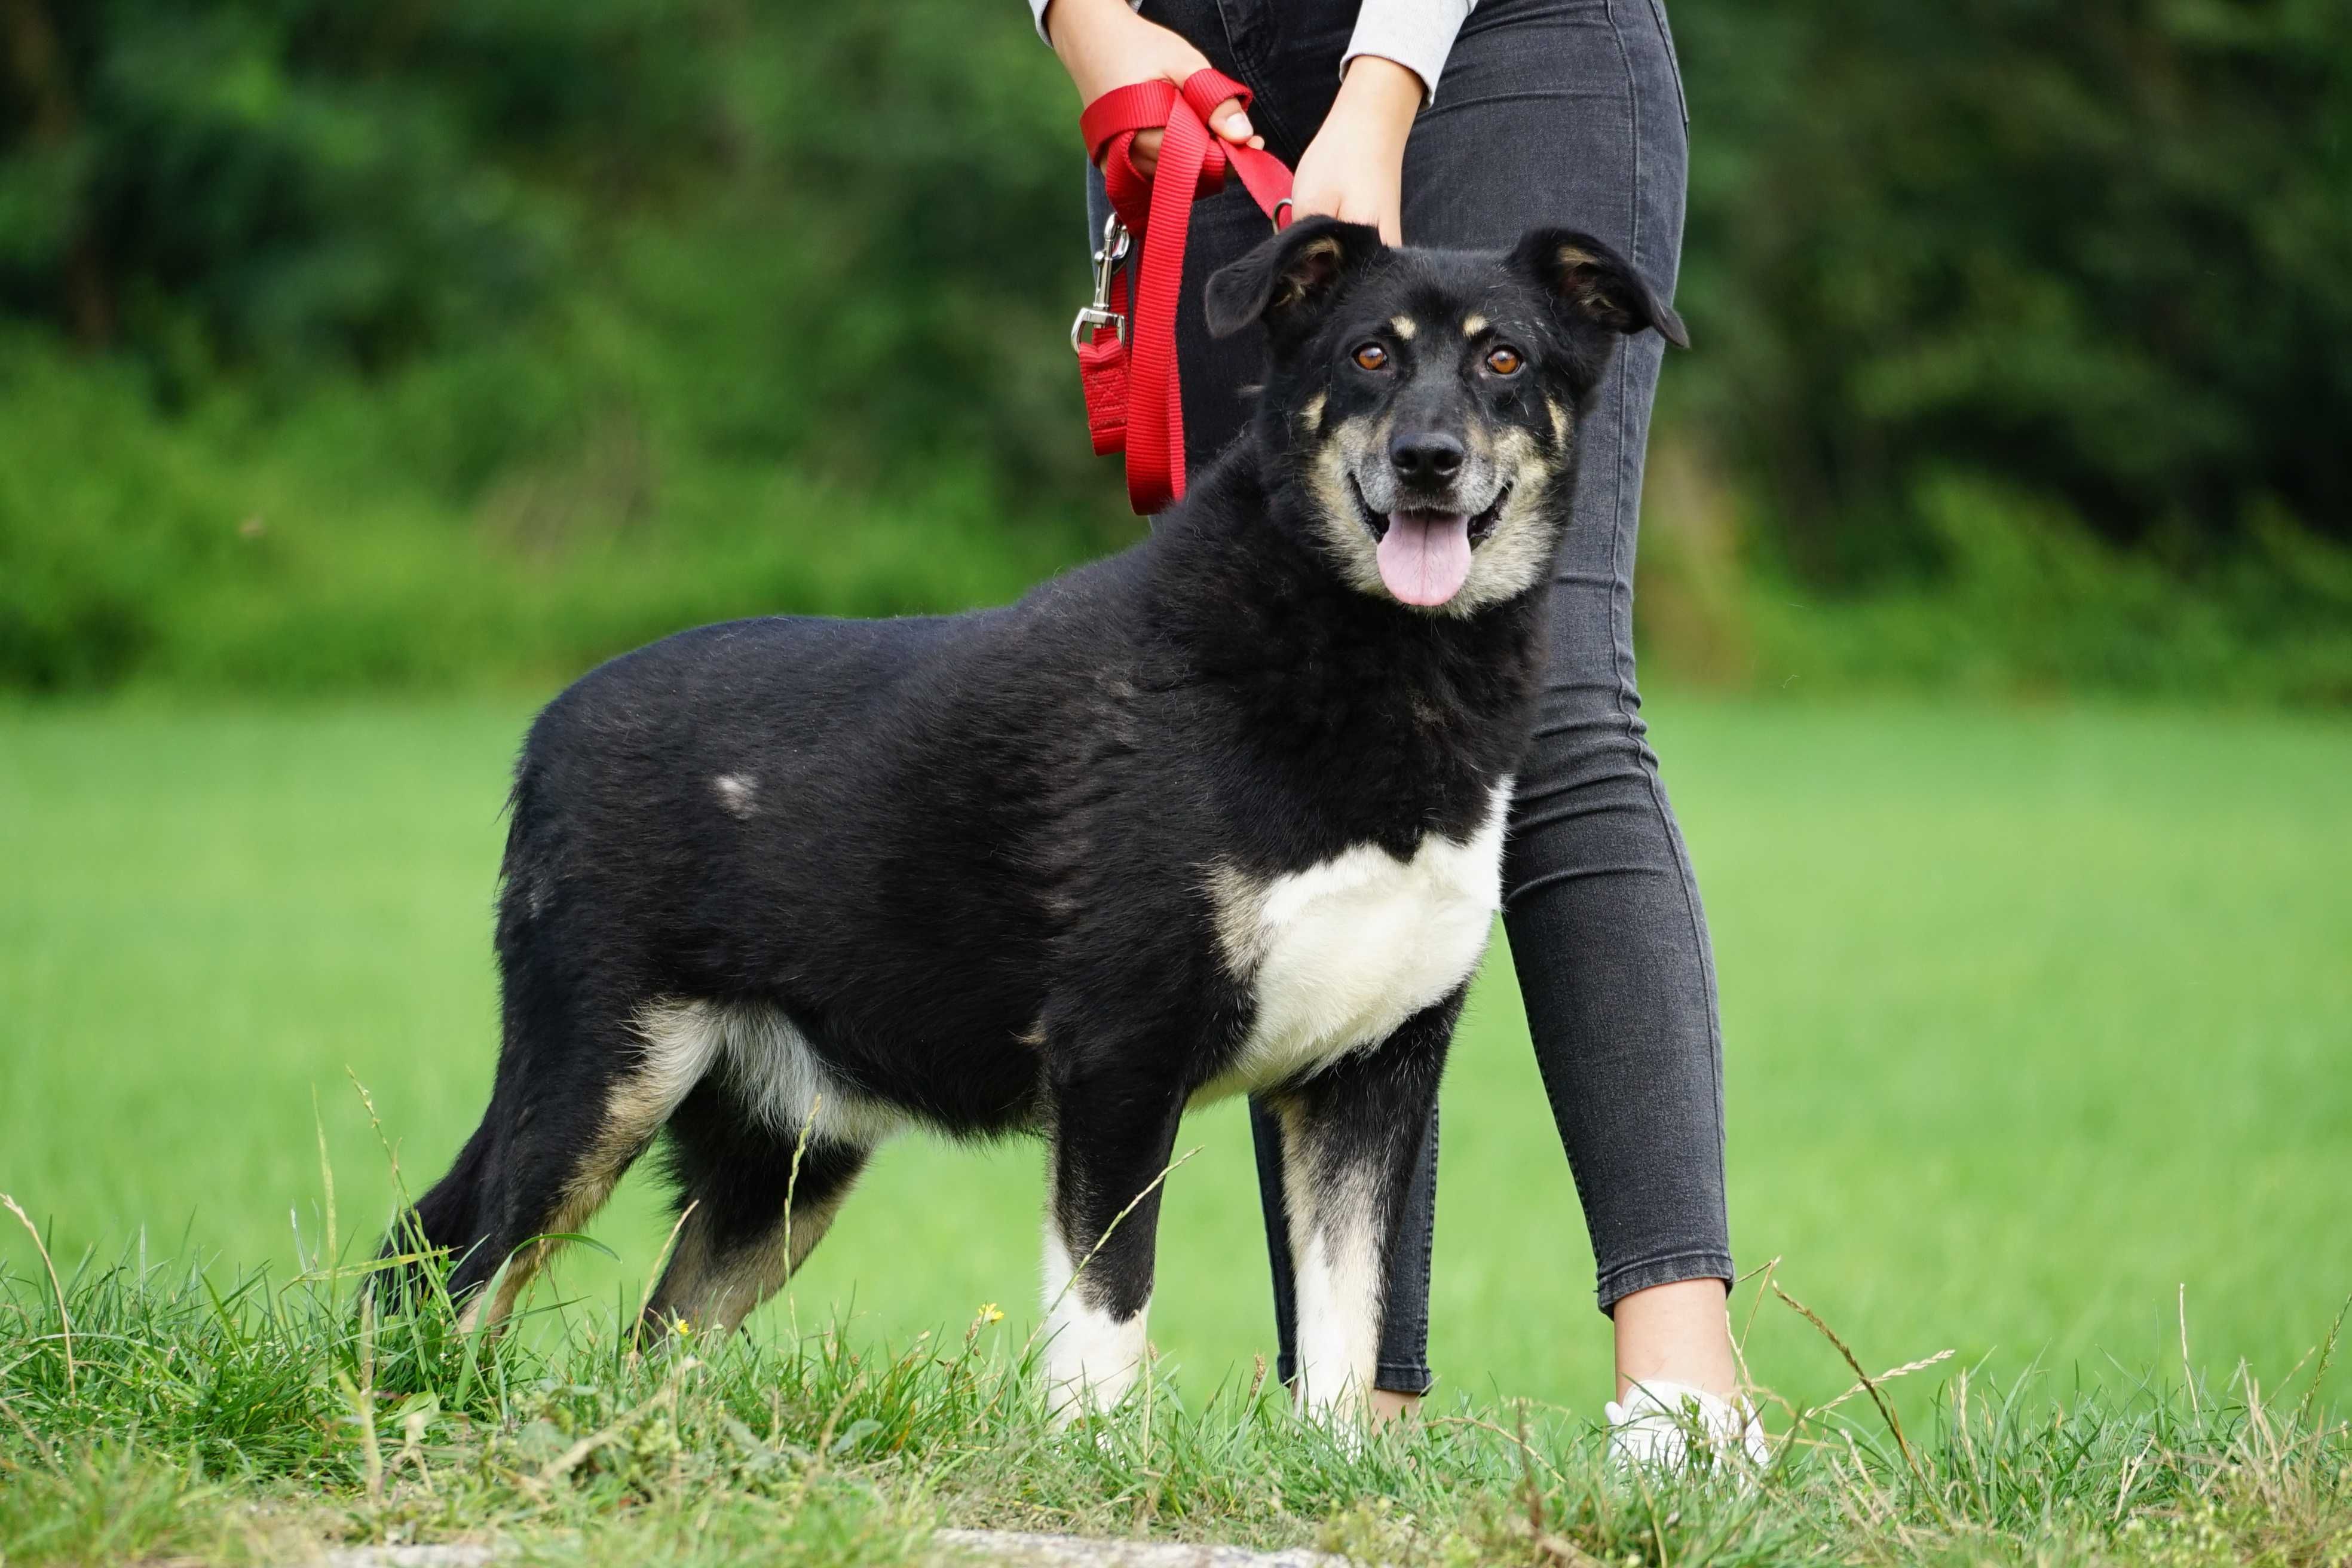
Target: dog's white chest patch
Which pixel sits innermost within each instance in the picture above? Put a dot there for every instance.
(1338, 956)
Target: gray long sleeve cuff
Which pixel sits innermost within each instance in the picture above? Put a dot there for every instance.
(1037, 14)
(1416, 33)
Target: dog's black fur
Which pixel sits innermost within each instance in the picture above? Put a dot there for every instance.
(995, 871)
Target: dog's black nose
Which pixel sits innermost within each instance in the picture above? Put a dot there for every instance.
(1425, 457)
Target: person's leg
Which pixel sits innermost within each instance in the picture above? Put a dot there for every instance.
(1403, 1373)
(1560, 112)
(1569, 112)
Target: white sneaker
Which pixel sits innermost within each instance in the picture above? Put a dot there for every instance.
(1656, 1426)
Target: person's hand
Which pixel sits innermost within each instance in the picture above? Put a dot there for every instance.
(1354, 169)
(1104, 45)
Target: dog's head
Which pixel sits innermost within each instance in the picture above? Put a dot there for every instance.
(1427, 401)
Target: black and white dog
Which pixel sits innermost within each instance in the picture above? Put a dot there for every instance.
(1221, 813)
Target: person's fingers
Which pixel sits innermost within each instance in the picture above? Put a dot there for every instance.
(1144, 154)
(1307, 201)
(1352, 206)
(1319, 198)
(1228, 121)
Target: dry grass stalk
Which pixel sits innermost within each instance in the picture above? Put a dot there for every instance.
(791, 1195)
(661, 1261)
(65, 1324)
(2326, 1354)
(1102, 1241)
(1886, 1410)
(2188, 1372)
(1889, 1375)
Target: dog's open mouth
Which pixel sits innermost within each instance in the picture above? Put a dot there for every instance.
(1425, 555)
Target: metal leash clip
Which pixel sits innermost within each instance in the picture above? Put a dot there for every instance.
(1097, 313)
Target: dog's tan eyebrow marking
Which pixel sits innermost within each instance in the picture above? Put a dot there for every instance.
(1473, 325)
(1404, 326)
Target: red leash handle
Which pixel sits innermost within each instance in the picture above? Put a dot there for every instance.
(1127, 357)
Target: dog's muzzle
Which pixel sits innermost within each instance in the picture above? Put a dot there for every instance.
(1424, 547)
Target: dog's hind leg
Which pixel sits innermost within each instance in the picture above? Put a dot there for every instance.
(1349, 1137)
(752, 1212)
(578, 1099)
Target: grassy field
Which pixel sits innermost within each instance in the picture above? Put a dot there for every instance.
(2032, 1019)
(200, 1425)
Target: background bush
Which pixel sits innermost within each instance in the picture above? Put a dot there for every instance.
(474, 338)
(2102, 252)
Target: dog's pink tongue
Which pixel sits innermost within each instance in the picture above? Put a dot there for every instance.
(1425, 558)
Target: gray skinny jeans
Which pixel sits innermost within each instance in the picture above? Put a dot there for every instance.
(1566, 111)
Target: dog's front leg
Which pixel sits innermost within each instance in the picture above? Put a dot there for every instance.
(1112, 1133)
(1349, 1138)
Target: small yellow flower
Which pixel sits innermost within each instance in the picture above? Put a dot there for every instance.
(990, 1313)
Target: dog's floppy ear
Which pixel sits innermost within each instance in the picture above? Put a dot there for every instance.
(1594, 282)
(1294, 271)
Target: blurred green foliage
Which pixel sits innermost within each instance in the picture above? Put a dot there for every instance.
(441, 339)
(2101, 251)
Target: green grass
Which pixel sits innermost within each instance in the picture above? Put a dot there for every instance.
(155, 1417)
(2034, 1018)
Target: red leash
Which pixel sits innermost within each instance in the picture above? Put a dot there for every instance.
(1126, 356)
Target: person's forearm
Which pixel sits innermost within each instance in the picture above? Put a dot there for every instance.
(1380, 96)
(1087, 34)
(1354, 168)
(1058, 19)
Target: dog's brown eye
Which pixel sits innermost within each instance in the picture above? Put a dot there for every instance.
(1504, 359)
(1371, 356)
